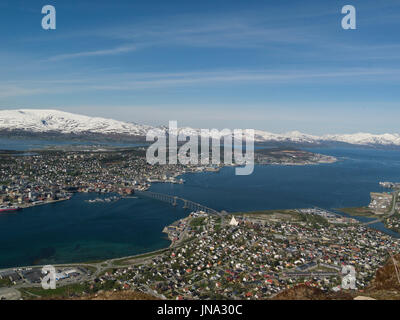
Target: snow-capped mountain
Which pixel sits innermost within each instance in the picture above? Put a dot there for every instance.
(293, 136)
(386, 139)
(53, 121)
(42, 121)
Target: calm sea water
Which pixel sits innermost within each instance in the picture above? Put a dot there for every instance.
(345, 183)
(75, 230)
(22, 144)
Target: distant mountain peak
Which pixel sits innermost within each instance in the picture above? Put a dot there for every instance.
(42, 121)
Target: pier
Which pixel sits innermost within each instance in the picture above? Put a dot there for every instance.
(174, 200)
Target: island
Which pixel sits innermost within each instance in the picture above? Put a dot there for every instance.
(46, 176)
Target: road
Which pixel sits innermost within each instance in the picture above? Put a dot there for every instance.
(100, 267)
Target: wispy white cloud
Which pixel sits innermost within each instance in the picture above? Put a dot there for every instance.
(16, 91)
(246, 31)
(160, 80)
(104, 52)
(308, 30)
(156, 81)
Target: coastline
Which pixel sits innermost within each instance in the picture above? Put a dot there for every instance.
(175, 176)
(177, 180)
(173, 244)
(26, 206)
(103, 269)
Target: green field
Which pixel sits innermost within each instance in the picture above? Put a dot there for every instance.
(358, 211)
(196, 222)
(59, 292)
(5, 282)
(141, 256)
(268, 212)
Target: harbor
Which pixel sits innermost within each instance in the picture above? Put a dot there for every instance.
(81, 231)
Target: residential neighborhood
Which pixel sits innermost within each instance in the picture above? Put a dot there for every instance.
(46, 176)
(246, 257)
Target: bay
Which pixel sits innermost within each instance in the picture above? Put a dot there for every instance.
(77, 231)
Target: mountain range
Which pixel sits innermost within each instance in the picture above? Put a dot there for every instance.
(40, 122)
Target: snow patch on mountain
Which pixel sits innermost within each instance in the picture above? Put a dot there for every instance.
(64, 122)
(50, 121)
(386, 139)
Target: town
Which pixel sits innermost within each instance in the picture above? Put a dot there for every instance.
(258, 255)
(253, 255)
(383, 207)
(50, 176)
(47, 176)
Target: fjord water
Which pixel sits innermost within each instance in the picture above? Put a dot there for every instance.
(25, 144)
(78, 231)
(75, 230)
(345, 183)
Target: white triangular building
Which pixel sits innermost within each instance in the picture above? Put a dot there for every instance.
(233, 222)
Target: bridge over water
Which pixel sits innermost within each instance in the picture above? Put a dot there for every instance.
(174, 200)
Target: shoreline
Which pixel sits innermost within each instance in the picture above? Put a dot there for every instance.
(178, 181)
(42, 203)
(99, 268)
(171, 245)
(176, 175)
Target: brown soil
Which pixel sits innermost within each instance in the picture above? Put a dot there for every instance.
(305, 292)
(108, 295)
(384, 286)
(118, 295)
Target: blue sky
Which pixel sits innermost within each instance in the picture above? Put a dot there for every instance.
(271, 65)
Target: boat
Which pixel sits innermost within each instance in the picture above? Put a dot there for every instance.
(109, 199)
(4, 209)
